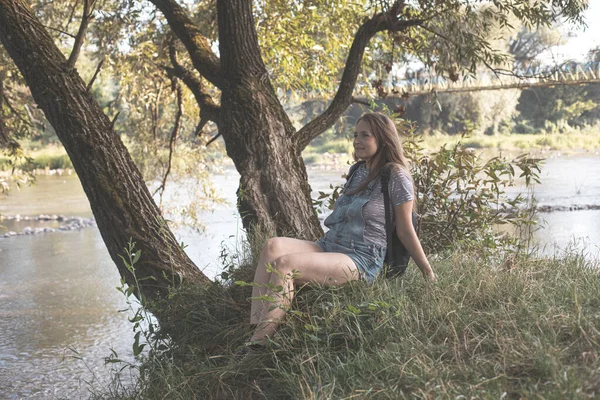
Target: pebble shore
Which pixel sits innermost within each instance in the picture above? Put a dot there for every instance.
(66, 224)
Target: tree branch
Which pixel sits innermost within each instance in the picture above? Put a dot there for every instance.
(71, 15)
(91, 82)
(3, 134)
(174, 133)
(380, 22)
(114, 121)
(213, 139)
(155, 114)
(85, 20)
(209, 111)
(197, 45)
(201, 124)
(497, 71)
(4, 97)
(59, 31)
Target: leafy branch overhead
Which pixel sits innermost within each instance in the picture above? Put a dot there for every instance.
(324, 47)
(317, 48)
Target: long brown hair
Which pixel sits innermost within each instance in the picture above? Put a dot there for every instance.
(389, 148)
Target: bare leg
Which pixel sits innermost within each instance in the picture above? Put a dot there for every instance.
(322, 268)
(273, 249)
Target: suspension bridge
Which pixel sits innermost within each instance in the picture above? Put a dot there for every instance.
(423, 81)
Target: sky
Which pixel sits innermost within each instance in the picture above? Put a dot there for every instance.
(585, 38)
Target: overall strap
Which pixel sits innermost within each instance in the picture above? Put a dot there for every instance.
(389, 224)
(353, 169)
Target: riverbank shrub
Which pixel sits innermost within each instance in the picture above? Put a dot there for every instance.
(49, 157)
(494, 328)
(462, 197)
(49, 161)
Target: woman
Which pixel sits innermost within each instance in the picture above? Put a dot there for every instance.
(355, 245)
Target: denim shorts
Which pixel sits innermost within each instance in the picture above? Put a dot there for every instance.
(367, 257)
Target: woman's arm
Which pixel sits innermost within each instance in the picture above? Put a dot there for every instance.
(407, 235)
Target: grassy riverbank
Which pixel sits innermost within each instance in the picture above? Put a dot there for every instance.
(572, 142)
(494, 329)
(52, 157)
(577, 141)
(338, 151)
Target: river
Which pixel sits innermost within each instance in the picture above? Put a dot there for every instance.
(58, 303)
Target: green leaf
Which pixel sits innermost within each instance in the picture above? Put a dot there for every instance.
(353, 309)
(136, 256)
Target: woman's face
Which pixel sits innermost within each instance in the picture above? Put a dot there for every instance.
(365, 143)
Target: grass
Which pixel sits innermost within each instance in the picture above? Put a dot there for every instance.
(528, 328)
(49, 157)
(573, 141)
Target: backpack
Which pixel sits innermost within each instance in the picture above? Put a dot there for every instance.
(396, 256)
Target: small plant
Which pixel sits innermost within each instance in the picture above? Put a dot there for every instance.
(145, 327)
(327, 200)
(278, 297)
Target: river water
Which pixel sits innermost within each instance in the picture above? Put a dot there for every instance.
(59, 307)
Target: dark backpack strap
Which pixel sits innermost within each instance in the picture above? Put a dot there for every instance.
(389, 223)
(396, 256)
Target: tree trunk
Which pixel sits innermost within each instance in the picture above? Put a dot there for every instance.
(120, 201)
(258, 134)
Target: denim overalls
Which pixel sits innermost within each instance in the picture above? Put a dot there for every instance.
(346, 233)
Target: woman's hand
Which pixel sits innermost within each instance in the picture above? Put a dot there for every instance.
(430, 276)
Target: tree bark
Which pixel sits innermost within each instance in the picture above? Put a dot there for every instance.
(120, 201)
(259, 137)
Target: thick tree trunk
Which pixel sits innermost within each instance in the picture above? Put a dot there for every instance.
(258, 134)
(119, 199)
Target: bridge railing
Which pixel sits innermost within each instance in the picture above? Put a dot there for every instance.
(572, 73)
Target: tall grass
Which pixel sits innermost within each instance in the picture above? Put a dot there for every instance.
(505, 328)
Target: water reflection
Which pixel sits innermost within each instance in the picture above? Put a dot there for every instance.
(577, 231)
(58, 294)
(50, 195)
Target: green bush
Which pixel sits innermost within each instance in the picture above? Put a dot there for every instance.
(43, 161)
(523, 127)
(462, 198)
